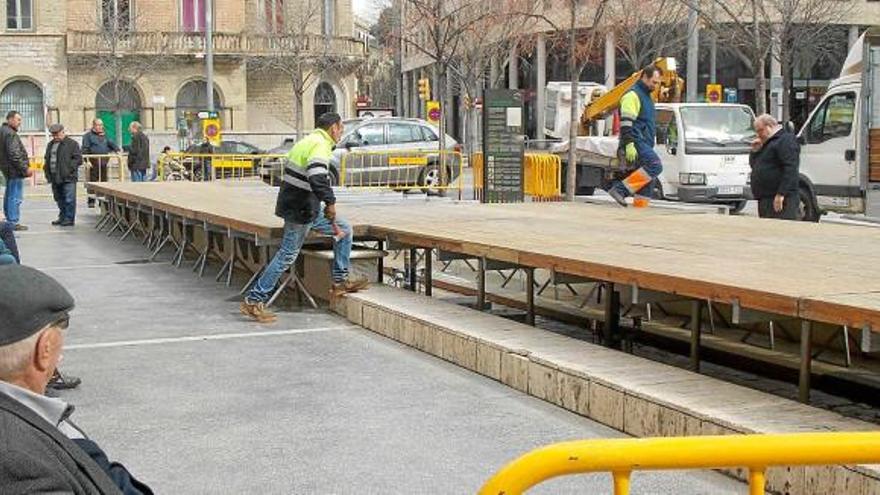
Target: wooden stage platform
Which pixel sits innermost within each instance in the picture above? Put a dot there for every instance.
(814, 272)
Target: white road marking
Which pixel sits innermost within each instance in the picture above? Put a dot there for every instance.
(197, 338)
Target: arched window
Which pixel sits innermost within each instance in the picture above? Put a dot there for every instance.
(325, 99)
(26, 98)
(118, 99)
(192, 99)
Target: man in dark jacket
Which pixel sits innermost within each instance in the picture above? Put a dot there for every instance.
(15, 166)
(139, 153)
(96, 142)
(61, 165)
(306, 185)
(775, 162)
(42, 450)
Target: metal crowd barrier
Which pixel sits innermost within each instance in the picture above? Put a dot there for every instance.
(95, 168)
(198, 167)
(542, 175)
(621, 457)
(401, 169)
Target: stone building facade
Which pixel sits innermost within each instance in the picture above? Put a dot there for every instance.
(73, 60)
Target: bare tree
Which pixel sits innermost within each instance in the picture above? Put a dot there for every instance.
(291, 43)
(121, 54)
(439, 31)
(646, 30)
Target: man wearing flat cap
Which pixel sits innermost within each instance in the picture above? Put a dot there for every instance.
(41, 449)
(62, 161)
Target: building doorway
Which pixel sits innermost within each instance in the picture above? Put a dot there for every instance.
(325, 99)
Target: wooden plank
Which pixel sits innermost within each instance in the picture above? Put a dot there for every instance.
(794, 269)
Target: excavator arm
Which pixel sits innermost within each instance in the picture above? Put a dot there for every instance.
(669, 90)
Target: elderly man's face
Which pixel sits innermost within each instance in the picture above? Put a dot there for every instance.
(763, 130)
(98, 126)
(58, 136)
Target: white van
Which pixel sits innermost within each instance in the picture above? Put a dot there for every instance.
(835, 173)
(704, 148)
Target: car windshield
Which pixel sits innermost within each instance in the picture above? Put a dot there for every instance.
(717, 126)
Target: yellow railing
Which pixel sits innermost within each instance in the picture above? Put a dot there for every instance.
(212, 166)
(621, 457)
(542, 179)
(95, 168)
(401, 169)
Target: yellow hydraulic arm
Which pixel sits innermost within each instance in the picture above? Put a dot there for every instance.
(668, 90)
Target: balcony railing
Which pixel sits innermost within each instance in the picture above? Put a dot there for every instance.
(178, 43)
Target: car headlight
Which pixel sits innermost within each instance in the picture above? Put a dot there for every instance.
(687, 179)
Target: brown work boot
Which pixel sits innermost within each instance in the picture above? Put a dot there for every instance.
(349, 285)
(257, 311)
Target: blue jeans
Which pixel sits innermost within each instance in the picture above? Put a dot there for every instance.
(65, 197)
(138, 175)
(12, 200)
(294, 236)
(7, 235)
(649, 169)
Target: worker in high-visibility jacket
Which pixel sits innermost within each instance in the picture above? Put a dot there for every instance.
(306, 184)
(637, 138)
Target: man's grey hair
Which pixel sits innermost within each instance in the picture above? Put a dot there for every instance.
(14, 357)
(766, 120)
(137, 125)
(96, 122)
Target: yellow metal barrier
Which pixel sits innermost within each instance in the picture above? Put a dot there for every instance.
(401, 169)
(542, 179)
(212, 166)
(621, 457)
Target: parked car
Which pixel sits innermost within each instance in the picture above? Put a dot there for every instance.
(230, 166)
(387, 152)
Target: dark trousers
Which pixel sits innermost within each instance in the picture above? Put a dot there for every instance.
(98, 170)
(65, 198)
(789, 208)
(7, 234)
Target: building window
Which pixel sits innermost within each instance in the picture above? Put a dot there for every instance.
(19, 15)
(25, 98)
(325, 99)
(116, 15)
(192, 15)
(192, 99)
(273, 13)
(329, 17)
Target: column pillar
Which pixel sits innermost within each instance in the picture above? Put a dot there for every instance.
(540, 86)
(513, 67)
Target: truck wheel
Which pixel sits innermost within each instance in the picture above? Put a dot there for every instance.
(807, 210)
(586, 191)
(737, 207)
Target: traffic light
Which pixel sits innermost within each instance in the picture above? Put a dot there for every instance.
(425, 88)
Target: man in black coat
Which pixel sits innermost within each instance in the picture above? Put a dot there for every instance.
(139, 153)
(41, 449)
(61, 165)
(775, 162)
(15, 166)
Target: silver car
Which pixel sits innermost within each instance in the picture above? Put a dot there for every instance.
(393, 152)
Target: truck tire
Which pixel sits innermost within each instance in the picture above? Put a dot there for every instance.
(737, 207)
(807, 209)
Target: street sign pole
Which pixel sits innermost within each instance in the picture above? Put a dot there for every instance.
(209, 51)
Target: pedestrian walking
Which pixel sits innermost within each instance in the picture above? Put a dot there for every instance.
(139, 153)
(96, 142)
(61, 166)
(775, 162)
(637, 138)
(15, 166)
(306, 185)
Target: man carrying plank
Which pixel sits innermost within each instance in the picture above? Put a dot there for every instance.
(306, 184)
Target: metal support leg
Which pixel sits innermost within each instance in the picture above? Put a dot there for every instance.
(380, 275)
(530, 296)
(227, 265)
(806, 361)
(481, 284)
(232, 254)
(257, 273)
(696, 328)
(412, 275)
(612, 315)
(429, 276)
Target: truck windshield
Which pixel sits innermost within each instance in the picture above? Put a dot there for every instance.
(722, 127)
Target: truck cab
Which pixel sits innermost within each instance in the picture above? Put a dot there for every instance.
(834, 144)
(705, 152)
